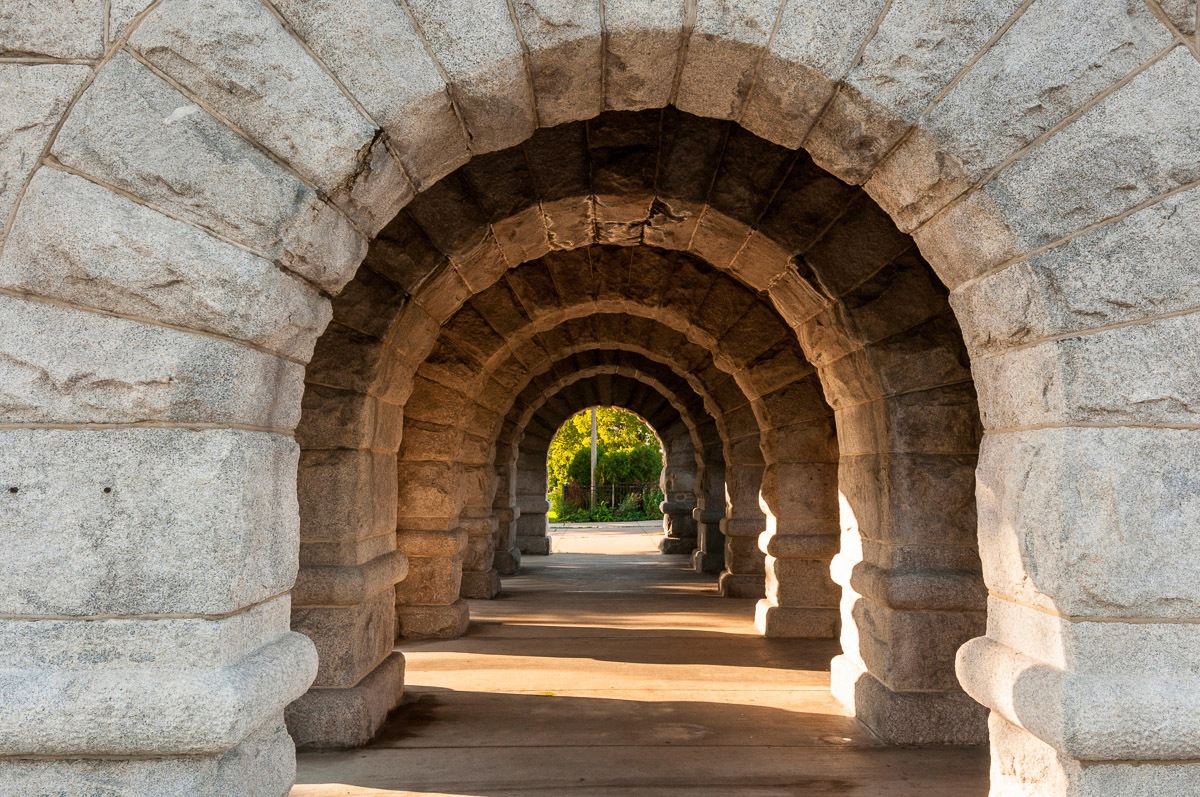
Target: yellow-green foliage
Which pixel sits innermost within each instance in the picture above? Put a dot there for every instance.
(631, 451)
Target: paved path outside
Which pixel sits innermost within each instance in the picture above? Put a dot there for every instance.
(609, 669)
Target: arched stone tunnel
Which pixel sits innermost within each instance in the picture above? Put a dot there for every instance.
(294, 293)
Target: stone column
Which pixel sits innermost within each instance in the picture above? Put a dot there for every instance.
(508, 553)
(428, 603)
(678, 483)
(532, 506)
(800, 501)
(345, 595)
(1089, 663)
(909, 572)
(145, 584)
(709, 556)
(679, 527)
(480, 578)
(743, 576)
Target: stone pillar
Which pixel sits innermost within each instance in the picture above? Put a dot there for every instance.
(533, 525)
(911, 589)
(709, 556)
(480, 578)
(1089, 663)
(679, 527)
(744, 574)
(508, 553)
(147, 647)
(428, 603)
(532, 506)
(801, 504)
(345, 595)
(678, 483)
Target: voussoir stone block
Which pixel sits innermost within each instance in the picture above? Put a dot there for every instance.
(36, 97)
(723, 53)
(1138, 144)
(80, 243)
(286, 102)
(564, 41)
(1123, 271)
(390, 72)
(133, 130)
(477, 46)
(643, 41)
(1038, 73)
(146, 521)
(813, 47)
(54, 29)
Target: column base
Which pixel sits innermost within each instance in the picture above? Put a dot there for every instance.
(432, 622)
(508, 563)
(1023, 764)
(324, 719)
(792, 622)
(907, 717)
(534, 546)
(264, 763)
(677, 546)
(738, 585)
(480, 586)
(707, 562)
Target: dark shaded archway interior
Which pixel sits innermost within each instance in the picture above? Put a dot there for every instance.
(726, 287)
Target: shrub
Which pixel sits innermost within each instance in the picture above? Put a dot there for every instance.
(650, 503)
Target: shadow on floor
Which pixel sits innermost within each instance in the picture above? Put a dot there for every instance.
(487, 744)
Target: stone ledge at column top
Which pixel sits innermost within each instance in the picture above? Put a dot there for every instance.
(144, 712)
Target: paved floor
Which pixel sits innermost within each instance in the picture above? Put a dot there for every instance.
(609, 669)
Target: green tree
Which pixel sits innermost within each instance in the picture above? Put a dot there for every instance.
(628, 449)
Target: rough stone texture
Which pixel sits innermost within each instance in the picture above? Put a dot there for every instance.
(1112, 275)
(55, 29)
(391, 74)
(35, 98)
(133, 130)
(197, 522)
(98, 711)
(1050, 551)
(475, 44)
(238, 59)
(813, 47)
(564, 44)
(341, 718)
(67, 365)
(1155, 137)
(79, 243)
(1087, 521)
(642, 43)
(264, 763)
(723, 54)
(1038, 73)
(433, 622)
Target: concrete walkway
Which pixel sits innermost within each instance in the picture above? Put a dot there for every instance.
(609, 669)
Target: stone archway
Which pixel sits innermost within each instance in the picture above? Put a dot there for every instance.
(149, 203)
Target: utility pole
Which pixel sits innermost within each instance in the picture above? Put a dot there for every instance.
(593, 479)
